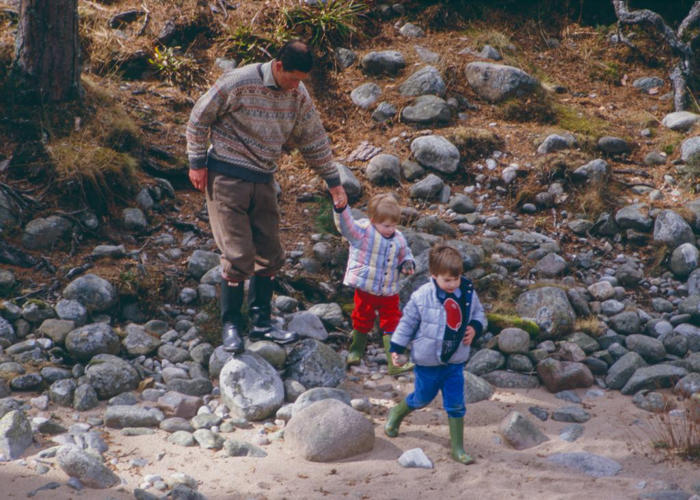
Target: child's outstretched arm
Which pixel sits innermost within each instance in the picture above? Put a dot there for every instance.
(348, 226)
(407, 328)
(407, 264)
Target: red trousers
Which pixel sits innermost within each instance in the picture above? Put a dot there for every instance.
(368, 306)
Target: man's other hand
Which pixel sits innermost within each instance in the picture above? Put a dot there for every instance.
(199, 178)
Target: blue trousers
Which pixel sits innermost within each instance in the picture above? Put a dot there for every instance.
(431, 379)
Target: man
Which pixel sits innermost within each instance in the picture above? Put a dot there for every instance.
(249, 116)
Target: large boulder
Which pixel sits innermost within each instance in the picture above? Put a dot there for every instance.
(45, 232)
(436, 152)
(327, 431)
(388, 62)
(497, 82)
(427, 80)
(653, 377)
(550, 308)
(671, 229)
(250, 387)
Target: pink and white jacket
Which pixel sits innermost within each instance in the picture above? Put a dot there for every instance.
(374, 261)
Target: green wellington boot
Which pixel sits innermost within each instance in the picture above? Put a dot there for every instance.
(457, 441)
(396, 415)
(357, 348)
(392, 369)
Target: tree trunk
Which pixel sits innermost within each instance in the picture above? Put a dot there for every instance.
(47, 51)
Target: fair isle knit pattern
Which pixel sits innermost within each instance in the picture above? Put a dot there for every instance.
(374, 261)
(249, 123)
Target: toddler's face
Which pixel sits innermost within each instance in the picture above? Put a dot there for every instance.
(386, 228)
(447, 282)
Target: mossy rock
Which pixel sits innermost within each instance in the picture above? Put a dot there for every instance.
(498, 322)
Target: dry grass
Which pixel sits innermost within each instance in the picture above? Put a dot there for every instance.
(590, 326)
(474, 142)
(675, 435)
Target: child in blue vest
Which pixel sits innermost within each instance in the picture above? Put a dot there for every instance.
(442, 319)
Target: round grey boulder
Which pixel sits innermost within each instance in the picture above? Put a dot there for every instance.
(436, 152)
(93, 292)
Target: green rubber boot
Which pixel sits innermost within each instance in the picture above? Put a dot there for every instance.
(457, 441)
(396, 415)
(357, 348)
(392, 369)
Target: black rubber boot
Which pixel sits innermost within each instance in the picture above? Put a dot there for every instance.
(231, 317)
(260, 309)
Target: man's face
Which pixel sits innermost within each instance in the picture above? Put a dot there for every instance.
(287, 80)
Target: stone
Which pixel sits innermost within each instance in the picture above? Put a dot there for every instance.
(427, 110)
(635, 217)
(120, 416)
(436, 152)
(388, 62)
(250, 387)
(15, 434)
(684, 260)
(384, 111)
(307, 325)
(519, 432)
(314, 364)
(573, 413)
(623, 369)
(428, 188)
(484, 361)
(563, 375)
(550, 308)
(317, 394)
(365, 95)
(511, 380)
(476, 388)
(672, 230)
(587, 463)
(95, 338)
(200, 262)
(234, 448)
(415, 458)
(46, 232)
(427, 80)
(653, 377)
(85, 467)
(593, 171)
(614, 145)
(327, 431)
(496, 82)
(384, 169)
(680, 121)
(513, 340)
(651, 349)
(92, 291)
(110, 375)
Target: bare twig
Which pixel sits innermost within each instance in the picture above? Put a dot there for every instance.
(145, 21)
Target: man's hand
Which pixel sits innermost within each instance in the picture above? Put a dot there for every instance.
(469, 334)
(340, 199)
(199, 178)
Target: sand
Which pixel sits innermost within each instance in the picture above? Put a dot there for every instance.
(617, 430)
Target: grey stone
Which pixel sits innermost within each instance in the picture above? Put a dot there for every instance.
(110, 375)
(428, 188)
(234, 448)
(496, 82)
(388, 62)
(484, 361)
(614, 145)
(519, 432)
(476, 388)
(315, 364)
(46, 232)
(573, 413)
(688, 385)
(684, 260)
(200, 262)
(672, 230)
(556, 142)
(563, 375)
(436, 152)
(587, 463)
(120, 416)
(138, 342)
(95, 338)
(415, 458)
(653, 377)
(427, 80)
(634, 216)
(250, 387)
(307, 325)
(365, 95)
(550, 308)
(383, 112)
(353, 187)
(410, 30)
(93, 292)
(327, 431)
(62, 392)
(85, 397)
(680, 121)
(623, 369)
(594, 171)
(646, 83)
(85, 467)
(384, 169)
(513, 340)
(626, 323)
(317, 394)
(427, 110)
(134, 219)
(651, 349)
(572, 432)
(511, 380)
(71, 310)
(15, 434)
(550, 266)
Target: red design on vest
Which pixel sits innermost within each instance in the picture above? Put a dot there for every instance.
(454, 314)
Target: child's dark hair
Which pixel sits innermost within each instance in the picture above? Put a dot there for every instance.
(296, 56)
(384, 208)
(444, 260)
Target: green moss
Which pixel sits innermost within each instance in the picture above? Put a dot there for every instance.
(578, 122)
(498, 322)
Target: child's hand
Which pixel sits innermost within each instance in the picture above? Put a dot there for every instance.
(397, 359)
(469, 334)
(408, 268)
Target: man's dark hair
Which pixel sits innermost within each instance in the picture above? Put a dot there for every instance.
(296, 56)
